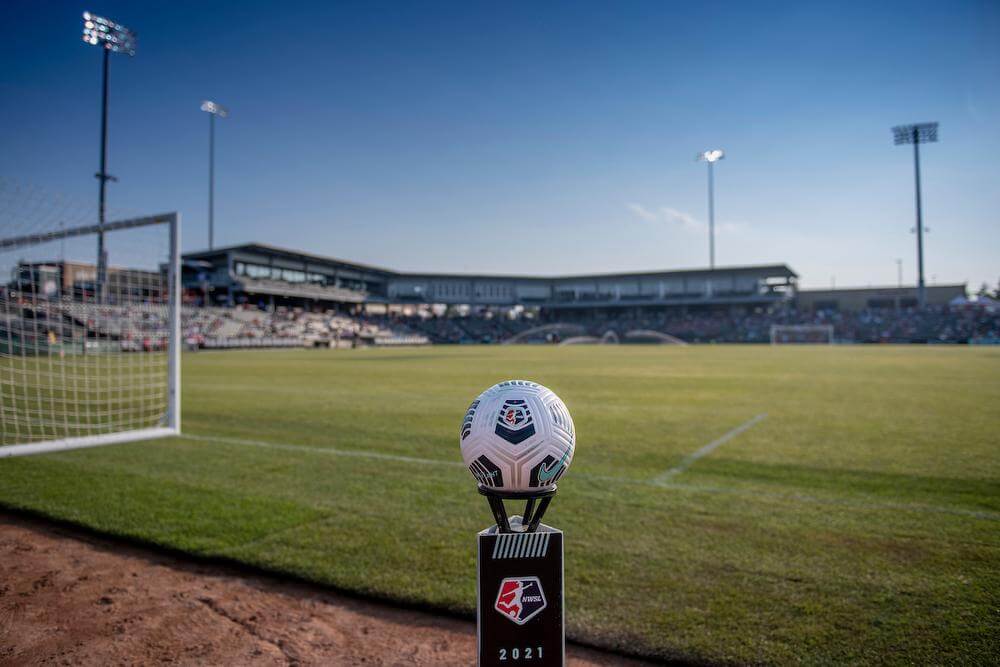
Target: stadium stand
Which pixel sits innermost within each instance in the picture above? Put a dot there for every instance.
(261, 296)
(870, 325)
(218, 328)
(73, 322)
(248, 326)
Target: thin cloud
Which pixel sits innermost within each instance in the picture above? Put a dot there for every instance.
(686, 221)
(642, 212)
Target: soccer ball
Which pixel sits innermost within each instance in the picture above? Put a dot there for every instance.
(517, 436)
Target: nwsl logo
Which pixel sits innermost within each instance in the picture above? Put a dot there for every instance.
(514, 421)
(520, 598)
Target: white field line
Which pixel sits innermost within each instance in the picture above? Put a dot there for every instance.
(690, 459)
(322, 450)
(665, 485)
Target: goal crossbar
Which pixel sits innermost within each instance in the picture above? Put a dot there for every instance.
(16, 242)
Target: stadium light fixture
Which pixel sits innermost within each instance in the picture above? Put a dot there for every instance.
(111, 37)
(213, 109)
(916, 134)
(711, 157)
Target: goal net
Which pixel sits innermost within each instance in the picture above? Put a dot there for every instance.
(89, 350)
(815, 334)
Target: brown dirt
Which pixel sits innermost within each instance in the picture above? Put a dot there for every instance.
(67, 597)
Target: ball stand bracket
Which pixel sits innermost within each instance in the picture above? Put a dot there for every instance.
(519, 601)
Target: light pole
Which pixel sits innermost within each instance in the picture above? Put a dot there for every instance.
(919, 133)
(899, 272)
(112, 38)
(711, 157)
(213, 110)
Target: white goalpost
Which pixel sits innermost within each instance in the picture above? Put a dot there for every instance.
(807, 334)
(89, 345)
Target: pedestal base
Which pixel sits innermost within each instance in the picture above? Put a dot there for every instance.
(519, 603)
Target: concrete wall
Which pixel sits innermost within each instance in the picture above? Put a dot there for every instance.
(855, 299)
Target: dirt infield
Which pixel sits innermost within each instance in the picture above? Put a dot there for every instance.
(67, 597)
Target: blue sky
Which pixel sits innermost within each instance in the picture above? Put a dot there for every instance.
(544, 138)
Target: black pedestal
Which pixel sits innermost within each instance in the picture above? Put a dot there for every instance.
(519, 606)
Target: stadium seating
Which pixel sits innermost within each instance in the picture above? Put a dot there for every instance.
(929, 325)
(212, 327)
(248, 326)
(284, 327)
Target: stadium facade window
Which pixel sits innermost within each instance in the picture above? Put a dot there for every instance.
(253, 270)
(264, 272)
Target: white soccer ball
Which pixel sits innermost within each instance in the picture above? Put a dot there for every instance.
(517, 436)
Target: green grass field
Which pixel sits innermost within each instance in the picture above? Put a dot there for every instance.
(859, 520)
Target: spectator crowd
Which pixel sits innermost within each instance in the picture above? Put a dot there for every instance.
(927, 325)
(248, 326)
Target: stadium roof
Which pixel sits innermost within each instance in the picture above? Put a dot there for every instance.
(778, 270)
(782, 270)
(286, 252)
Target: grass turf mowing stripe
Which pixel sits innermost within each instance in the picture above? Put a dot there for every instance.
(655, 483)
(690, 459)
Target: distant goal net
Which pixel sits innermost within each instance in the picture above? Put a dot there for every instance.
(89, 351)
(805, 334)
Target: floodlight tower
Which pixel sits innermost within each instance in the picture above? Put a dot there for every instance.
(214, 109)
(711, 157)
(916, 134)
(112, 38)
